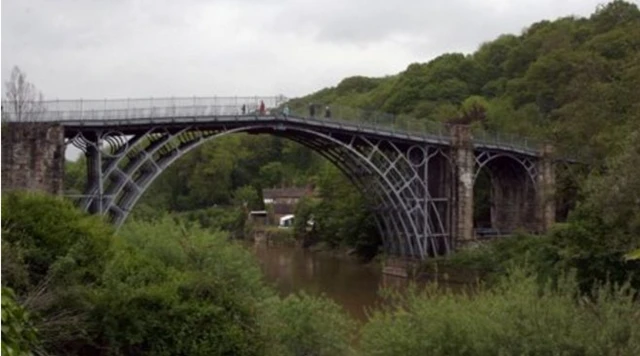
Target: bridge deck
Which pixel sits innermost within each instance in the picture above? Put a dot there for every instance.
(132, 116)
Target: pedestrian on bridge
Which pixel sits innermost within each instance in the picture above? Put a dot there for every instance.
(327, 112)
(262, 108)
(244, 109)
(312, 110)
(285, 110)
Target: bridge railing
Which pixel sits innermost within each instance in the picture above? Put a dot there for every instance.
(107, 109)
(128, 109)
(505, 140)
(375, 120)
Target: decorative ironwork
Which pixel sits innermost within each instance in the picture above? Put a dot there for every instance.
(408, 219)
(527, 163)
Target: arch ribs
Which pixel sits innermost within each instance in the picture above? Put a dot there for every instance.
(413, 220)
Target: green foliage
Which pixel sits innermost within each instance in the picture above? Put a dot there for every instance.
(516, 317)
(357, 84)
(19, 337)
(222, 173)
(53, 239)
(538, 253)
(606, 225)
(248, 197)
(160, 288)
(173, 289)
(280, 236)
(304, 212)
(75, 176)
(307, 325)
(341, 215)
(53, 255)
(633, 255)
(230, 219)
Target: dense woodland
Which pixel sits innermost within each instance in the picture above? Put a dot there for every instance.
(164, 285)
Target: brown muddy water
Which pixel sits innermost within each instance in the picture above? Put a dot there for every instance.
(351, 284)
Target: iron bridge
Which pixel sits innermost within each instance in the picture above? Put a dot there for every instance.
(412, 171)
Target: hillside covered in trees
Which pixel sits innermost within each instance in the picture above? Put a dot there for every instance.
(572, 81)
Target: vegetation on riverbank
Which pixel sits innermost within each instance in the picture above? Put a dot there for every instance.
(169, 287)
(161, 288)
(515, 317)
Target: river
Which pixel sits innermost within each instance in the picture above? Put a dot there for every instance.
(352, 285)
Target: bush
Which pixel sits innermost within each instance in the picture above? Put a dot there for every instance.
(497, 256)
(306, 325)
(51, 235)
(516, 317)
(53, 255)
(280, 236)
(173, 289)
(230, 219)
(19, 337)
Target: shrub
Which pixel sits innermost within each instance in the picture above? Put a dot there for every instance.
(307, 325)
(173, 289)
(19, 337)
(280, 236)
(52, 256)
(497, 256)
(53, 236)
(230, 219)
(517, 317)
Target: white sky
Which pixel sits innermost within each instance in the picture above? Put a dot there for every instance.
(142, 48)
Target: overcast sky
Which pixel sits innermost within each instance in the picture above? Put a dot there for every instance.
(143, 48)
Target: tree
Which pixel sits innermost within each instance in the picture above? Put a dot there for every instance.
(23, 102)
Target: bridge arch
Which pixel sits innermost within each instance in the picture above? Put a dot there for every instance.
(399, 194)
(505, 192)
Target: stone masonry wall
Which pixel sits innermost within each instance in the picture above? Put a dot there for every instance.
(463, 204)
(546, 200)
(33, 157)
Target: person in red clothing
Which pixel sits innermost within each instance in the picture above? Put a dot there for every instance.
(262, 109)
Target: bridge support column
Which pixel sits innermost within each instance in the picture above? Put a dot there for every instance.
(546, 203)
(32, 156)
(465, 166)
(94, 172)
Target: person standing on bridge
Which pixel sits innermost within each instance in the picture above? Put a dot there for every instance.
(327, 112)
(244, 109)
(312, 110)
(262, 108)
(285, 110)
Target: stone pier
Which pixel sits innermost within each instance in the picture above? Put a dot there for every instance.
(463, 155)
(33, 157)
(545, 200)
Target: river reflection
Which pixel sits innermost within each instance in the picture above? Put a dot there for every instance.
(349, 283)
